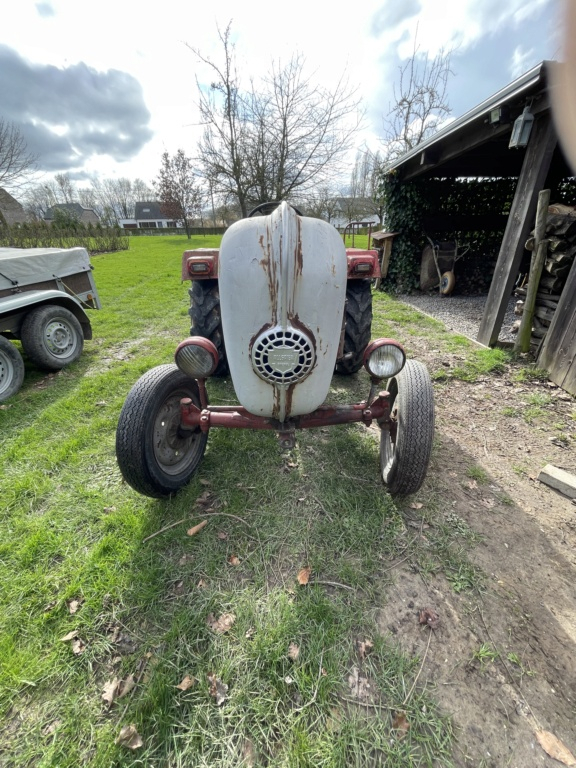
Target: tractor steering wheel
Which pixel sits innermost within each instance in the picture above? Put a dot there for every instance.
(266, 208)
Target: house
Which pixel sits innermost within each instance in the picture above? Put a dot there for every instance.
(509, 136)
(148, 215)
(73, 210)
(348, 209)
(11, 211)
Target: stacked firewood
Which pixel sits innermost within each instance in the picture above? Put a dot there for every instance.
(561, 237)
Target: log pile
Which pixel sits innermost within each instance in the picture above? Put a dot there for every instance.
(561, 237)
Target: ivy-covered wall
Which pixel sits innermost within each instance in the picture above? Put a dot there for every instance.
(409, 204)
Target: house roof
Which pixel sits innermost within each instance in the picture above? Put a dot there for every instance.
(12, 211)
(148, 210)
(74, 208)
(472, 146)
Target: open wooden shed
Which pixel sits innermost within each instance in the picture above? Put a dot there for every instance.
(476, 145)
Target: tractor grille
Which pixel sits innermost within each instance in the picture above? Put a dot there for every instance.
(283, 356)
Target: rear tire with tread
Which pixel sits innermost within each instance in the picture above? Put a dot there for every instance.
(404, 458)
(206, 318)
(358, 326)
(11, 369)
(155, 457)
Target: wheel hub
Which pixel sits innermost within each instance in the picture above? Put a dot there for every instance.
(59, 338)
(170, 447)
(6, 373)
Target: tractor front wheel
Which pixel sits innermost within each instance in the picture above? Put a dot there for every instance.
(406, 445)
(157, 457)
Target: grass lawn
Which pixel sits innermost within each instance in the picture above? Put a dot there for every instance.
(206, 644)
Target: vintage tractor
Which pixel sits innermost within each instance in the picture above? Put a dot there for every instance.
(280, 306)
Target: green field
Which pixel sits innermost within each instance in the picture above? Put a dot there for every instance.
(144, 614)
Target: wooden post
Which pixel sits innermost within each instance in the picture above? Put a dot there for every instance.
(532, 179)
(536, 265)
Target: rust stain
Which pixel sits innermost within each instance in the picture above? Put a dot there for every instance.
(289, 395)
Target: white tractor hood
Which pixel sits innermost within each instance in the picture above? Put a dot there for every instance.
(282, 281)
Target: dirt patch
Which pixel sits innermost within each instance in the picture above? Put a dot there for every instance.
(502, 662)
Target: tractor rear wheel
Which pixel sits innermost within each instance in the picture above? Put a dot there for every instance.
(157, 457)
(405, 448)
(206, 318)
(358, 316)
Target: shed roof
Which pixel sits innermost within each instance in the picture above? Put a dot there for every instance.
(471, 146)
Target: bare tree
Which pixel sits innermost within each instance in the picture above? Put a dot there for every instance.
(322, 203)
(16, 162)
(421, 102)
(277, 138)
(365, 183)
(178, 191)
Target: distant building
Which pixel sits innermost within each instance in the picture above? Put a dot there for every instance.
(148, 215)
(11, 211)
(75, 210)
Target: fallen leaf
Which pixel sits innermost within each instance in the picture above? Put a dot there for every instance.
(364, 647)
(110, 690)
(69, 636)
(49, 729)
(178, 588)
(233, 560)
(288, 680)
(4, 407)
(488, 503)
(203, 499)
(48, 607)
(304, 575)
(78, 647)
(129, 737)
(472, 485)
(221, 624)
(400, 723)
(73, 605)
(185, 559)
(293, 652)
(248, 754)
(196, 528)
(250, 633)
(222, 535)
(430, 617)
(204, 482)
(218, 689)
(554, 747)
(186, 683)
(202, 584)
(416, 505)
(101, 403)
(126, 686)
(108, 510)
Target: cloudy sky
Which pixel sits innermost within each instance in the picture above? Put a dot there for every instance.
(104, 88)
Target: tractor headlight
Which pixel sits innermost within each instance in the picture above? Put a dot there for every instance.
(384, 358)
(197, 357)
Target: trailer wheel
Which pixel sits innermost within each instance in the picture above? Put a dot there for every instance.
(405, 448)
(11, 369)
(52, 337)
(206, 319)
(155, 456)
(358, 319)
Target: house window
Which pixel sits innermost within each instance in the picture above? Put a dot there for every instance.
(145, 210)
(147, 225)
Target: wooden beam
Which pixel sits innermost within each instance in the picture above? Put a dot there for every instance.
(558, 351)
(559, 479)
(532, 178)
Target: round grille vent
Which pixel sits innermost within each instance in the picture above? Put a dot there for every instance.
(283, 357)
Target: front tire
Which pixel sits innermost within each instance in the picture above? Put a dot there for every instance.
(155, 456)
(11, 369)
(406, 448)
(52, 337)
(206, 318)
(358, 319)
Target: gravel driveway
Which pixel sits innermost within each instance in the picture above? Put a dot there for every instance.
(461, 314)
